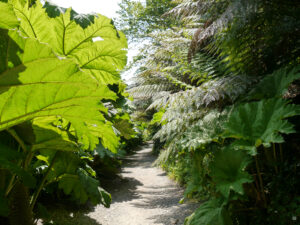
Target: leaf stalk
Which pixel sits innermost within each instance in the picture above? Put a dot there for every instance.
(41, 185)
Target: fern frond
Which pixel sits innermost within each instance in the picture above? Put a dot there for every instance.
(225, 88)
(204, 131)
(176, 81)
(148, 91)
(184, 9)
(177, 123)
(159, 100)
(163, 156)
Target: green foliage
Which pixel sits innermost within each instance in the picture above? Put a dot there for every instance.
(58, 72)
(42, 212)
(124, 126)
(93, 56)
(203, 131)
(212, 212)
(107, 164)
(23, 175)
(260, 123)
(227, 80)
(60, 78)
(48, 136)
(198, 181)
(7, 11)
(157, 117)
(84, 187)
(230, 175)
(8, 157)
(258, 50)
(73, 176)
(91, 186)
(275, 84)
(139, 19)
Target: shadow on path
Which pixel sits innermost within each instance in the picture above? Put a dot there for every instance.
(62, 214)
(144, 195)
(141, 195)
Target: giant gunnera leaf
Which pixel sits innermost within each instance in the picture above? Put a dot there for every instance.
(99, 49)
(212, 212)
(84, 187)
(81, 55)
(275, 84)
(74, 180)
(47, 133)
(41, 85)
(228, 171)
(260, 123)
(9, 20)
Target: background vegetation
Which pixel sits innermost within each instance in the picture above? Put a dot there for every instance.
(217, 87)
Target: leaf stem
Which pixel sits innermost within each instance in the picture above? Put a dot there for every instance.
(14, 134)
(11, 184)
(281, 154)
(275, 157)
(29, 155)
(41, 185)
(28, 159)
(260, 181)
(22, 145)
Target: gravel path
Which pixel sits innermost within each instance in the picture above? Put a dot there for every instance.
(145, 196)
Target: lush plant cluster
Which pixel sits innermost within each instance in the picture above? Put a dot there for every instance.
(225, 88)
(61, 102)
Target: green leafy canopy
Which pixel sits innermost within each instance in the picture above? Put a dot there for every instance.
(260, 123)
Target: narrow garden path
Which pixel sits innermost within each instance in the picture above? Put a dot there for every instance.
(144, 196)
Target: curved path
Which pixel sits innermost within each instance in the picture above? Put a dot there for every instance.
(145, 196)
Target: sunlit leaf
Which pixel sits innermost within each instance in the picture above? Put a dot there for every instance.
(44, 85)
(8, 17)
(98, 48)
